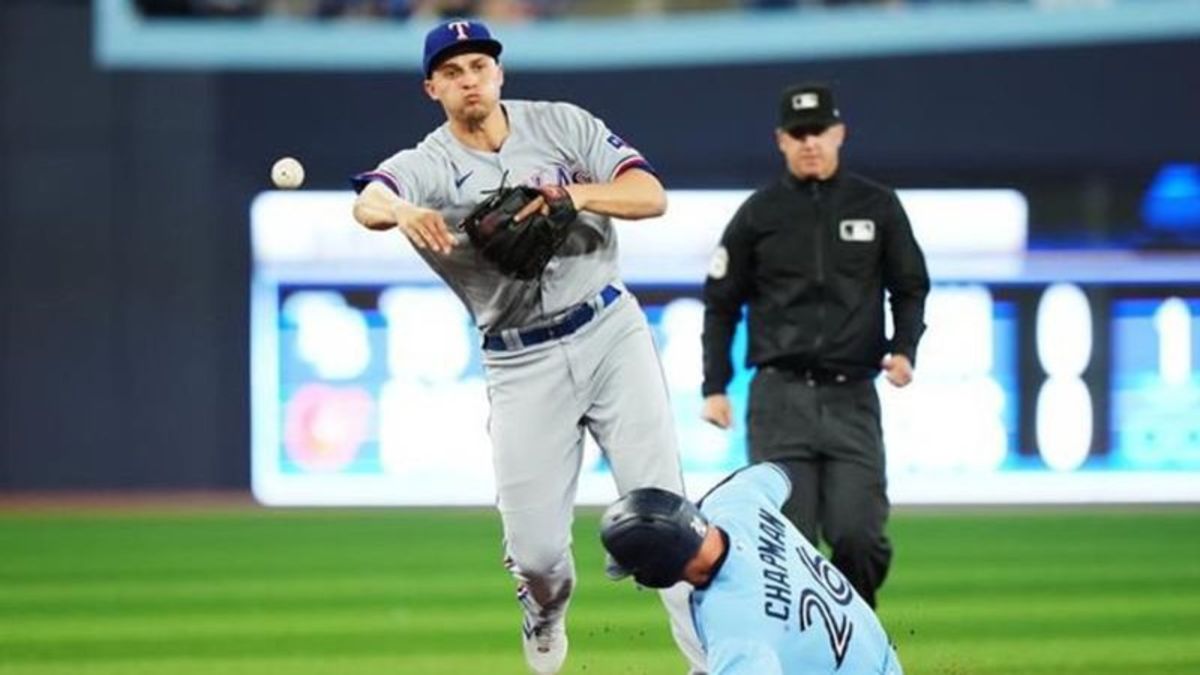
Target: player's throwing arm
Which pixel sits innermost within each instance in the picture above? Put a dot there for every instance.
(379, 209)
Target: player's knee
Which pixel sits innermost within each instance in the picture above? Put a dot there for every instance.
(540, 561)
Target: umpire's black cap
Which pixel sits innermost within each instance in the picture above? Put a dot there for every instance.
(809, 105)
(460, 36)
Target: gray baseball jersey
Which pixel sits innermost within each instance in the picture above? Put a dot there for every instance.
(604, 377)
(548, 144)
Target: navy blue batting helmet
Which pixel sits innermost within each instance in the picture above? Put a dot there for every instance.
(653, 533)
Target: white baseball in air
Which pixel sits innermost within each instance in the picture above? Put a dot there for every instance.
(287, 173)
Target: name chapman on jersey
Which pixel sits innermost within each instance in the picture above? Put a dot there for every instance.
(777, 587)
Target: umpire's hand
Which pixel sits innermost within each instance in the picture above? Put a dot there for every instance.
(717, 411)
(898, 369)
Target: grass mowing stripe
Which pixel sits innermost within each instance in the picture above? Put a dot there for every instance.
(626, 662)
(178, 603)
(400, 621)
(264, 589)
(319, 637)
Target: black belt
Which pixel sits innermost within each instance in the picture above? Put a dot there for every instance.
(573, 321)
(811, 375)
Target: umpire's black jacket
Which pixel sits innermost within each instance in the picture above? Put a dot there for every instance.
(811, 259)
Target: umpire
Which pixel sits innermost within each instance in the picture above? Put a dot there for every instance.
(811, 255)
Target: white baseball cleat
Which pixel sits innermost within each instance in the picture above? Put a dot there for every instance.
(545, 647)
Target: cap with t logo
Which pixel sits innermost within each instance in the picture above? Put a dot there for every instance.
(459, 36)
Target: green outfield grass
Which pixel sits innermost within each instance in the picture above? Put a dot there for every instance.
(336, 592)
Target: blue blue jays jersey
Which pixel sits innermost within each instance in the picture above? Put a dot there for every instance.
(776, 606)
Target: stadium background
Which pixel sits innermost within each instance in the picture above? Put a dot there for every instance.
(125, 262)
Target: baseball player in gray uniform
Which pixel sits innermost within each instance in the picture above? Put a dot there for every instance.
(565, 352)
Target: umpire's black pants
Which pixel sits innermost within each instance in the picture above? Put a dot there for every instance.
(828, 437)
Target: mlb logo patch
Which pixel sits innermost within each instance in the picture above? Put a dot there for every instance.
(857, 230)
(806, 101)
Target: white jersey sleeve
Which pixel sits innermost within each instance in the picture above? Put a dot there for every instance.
(407, 173)
(742, 657)
(603, 153)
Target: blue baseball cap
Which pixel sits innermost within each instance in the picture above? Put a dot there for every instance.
(459, 36)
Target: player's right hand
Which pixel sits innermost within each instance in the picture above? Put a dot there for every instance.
(425, 228)
(717, 411)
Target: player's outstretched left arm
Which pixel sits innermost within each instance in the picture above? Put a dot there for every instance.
(633, 195)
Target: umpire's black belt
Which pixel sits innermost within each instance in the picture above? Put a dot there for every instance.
(574, 320)
(812, 376)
